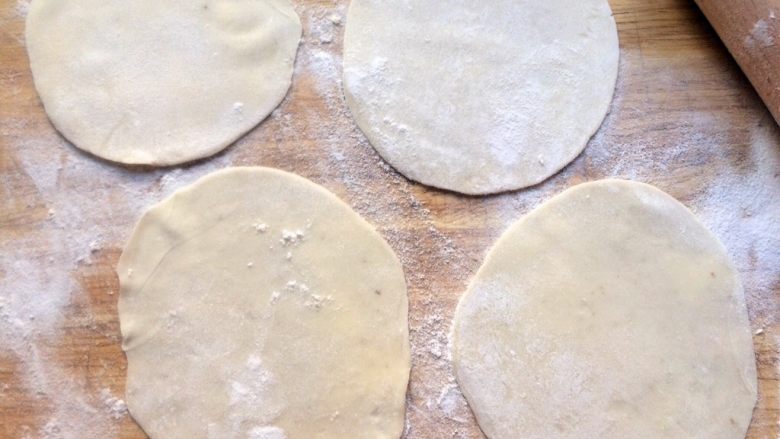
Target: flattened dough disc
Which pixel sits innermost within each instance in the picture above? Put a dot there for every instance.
(479, 96)
(608, 312)
(255, 304)
(160, 82)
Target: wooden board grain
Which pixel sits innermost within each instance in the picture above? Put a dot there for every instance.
(684, 119)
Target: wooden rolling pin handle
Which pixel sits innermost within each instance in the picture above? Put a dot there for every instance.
(749, 28)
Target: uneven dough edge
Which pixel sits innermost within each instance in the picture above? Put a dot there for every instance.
(738, 291)
(156, 219)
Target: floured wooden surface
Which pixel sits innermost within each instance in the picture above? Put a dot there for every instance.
(684, 119)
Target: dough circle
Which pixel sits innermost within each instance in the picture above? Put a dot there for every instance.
(608, 312)
(160, 82)
(484, 96)
(255, 304)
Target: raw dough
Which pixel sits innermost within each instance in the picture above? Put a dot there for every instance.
(608, 312)
(255, 304)
(160, 82)
(479, 96)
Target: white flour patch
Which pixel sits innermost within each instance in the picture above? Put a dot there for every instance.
(762, 33)
(249, 387)
(115, 406)
(267, 433)
(291, 237)
(22, 8)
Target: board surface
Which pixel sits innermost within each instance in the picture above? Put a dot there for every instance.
(684, 119)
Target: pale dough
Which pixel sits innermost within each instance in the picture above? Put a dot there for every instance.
(255, 304)
(160, 82)
(608, 312)
(479, 96)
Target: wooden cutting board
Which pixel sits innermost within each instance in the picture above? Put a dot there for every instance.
(684, 119)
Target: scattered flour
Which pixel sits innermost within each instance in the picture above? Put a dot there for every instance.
(22, 8)
(294, 286)
(434, 265)
(80, 210)
(309, 299)
(763, 33)
(267, 433)
(291, 237)
(260, 227)
(249, 386)
(84, 210)
(742, 208)
(116, 407)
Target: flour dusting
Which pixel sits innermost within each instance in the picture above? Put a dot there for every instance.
(82, 210)
(116, 406)
(267, 433)
(42, 275)
(742, 208)
(762, 33)
(22, 8)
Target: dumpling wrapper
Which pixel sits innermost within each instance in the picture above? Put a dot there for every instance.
(256, 304)
(152, 82)
(479, 97)
(607, 312)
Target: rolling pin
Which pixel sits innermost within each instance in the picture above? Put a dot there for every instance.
(749, 29)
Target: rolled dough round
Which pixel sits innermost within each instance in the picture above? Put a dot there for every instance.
(483, 96)
(255, 304)
(160, 82)
(608, 312)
